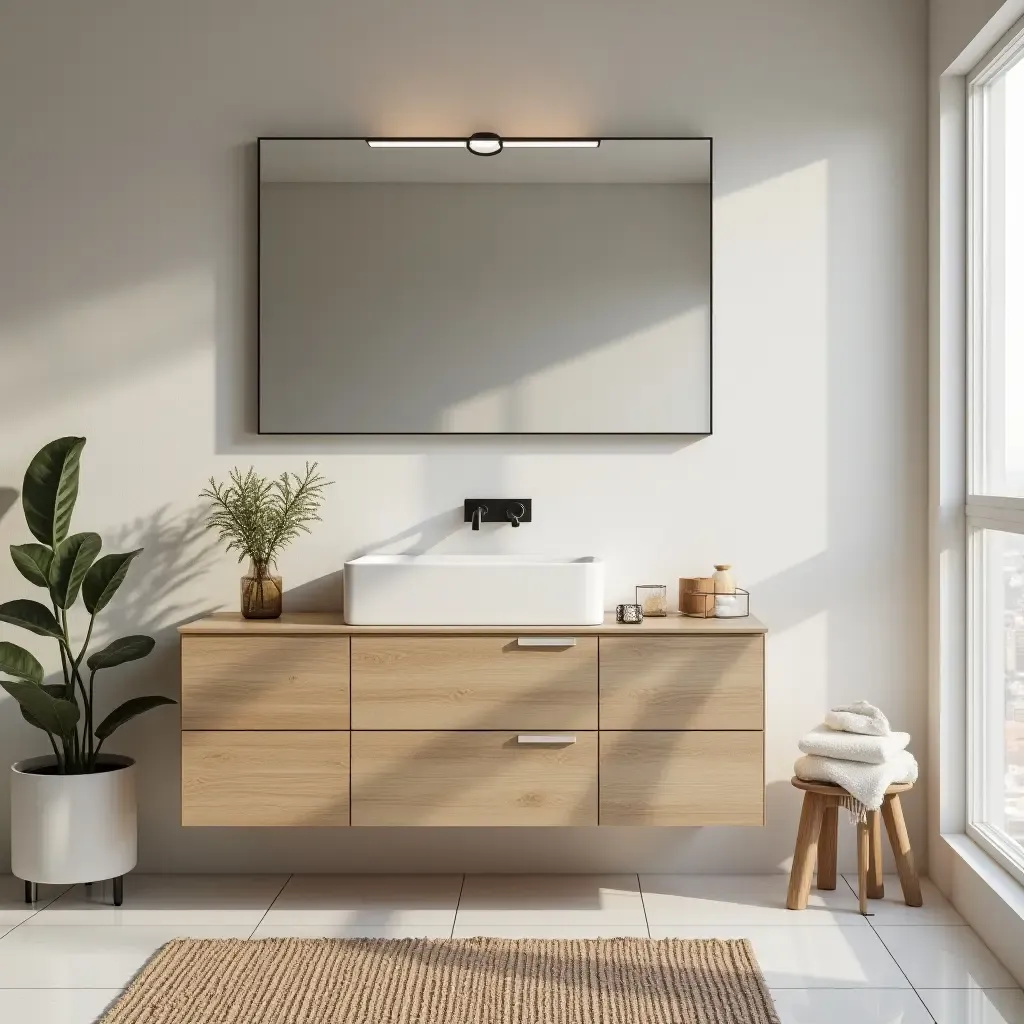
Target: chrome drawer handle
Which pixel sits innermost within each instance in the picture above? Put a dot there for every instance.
(547, 641)
(548, 740)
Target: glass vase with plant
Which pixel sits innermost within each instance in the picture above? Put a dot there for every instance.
(259, 517)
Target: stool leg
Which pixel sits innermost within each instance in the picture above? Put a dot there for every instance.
(876, 885)
(828, 840)
(806, 851)
(863, 855)
(892, 815)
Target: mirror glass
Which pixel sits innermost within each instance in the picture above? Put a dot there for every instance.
(431, 290)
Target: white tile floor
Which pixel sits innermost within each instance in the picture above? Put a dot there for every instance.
(64, 960)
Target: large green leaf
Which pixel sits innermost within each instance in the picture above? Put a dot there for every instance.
(33, 616)
(53, 714)
(117, 652)
(127, 711)
(17, 662)
(103, 579)
(50, 489)
(54, 690)
(33, 562)
(70, 564)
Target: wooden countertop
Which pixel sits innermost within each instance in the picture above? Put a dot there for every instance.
(333, 622)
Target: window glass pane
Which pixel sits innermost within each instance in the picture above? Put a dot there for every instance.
(1000, 594)
(1003, 459)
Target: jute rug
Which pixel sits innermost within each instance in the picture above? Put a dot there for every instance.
(439, 981)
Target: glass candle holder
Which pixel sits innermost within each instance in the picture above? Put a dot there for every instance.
(653, 598)
(631, 613)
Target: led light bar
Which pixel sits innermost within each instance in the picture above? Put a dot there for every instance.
(478, 143)
(551, 143)
(416, 143)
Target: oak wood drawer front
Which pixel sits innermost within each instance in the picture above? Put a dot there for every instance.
(472, 778)
(265, 778)
(472, 682)
(682, 778)
(265, 682)
(692, 682)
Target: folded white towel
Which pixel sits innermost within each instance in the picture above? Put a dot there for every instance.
(851, 746)
(866, 783)
(860, 717)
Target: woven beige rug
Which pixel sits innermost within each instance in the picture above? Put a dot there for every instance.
(441, 981)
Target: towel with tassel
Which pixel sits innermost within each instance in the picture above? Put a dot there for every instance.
(866, 783)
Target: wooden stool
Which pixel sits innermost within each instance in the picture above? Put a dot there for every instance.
(817, 838)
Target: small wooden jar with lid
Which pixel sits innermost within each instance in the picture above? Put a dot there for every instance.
(697, 596)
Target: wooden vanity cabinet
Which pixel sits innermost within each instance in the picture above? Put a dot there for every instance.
(307, 721)
(472, 682)
(265, 778)
(473, 778)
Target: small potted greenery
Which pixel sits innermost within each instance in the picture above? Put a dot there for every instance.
(73, 816)
(258, 518)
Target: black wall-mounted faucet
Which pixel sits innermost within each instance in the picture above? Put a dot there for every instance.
(498, 510)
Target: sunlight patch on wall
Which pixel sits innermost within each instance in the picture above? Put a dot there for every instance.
(771, 321)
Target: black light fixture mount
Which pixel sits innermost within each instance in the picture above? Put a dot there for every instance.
(484, 144)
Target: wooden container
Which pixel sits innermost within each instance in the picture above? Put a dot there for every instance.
(697, 596)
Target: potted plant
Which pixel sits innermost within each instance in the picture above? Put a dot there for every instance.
(73, 815)
(259, 518)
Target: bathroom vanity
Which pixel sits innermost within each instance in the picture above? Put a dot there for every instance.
(305, 720)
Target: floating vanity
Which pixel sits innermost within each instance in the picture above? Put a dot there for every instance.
(305, 720)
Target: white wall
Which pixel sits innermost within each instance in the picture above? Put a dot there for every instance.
(127, 314)
(955, 24)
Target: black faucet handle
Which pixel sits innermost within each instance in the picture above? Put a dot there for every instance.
(498, 510)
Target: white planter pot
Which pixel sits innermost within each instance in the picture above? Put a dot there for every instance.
(73, 828)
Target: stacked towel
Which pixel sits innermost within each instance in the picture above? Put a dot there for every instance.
(859, 717)
(855, 748)
(823, 741)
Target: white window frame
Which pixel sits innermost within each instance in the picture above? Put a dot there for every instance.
(983, 511)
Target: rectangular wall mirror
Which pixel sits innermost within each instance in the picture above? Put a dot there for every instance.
(546, 289)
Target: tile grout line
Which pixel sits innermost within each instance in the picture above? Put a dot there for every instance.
(272, 902)
(913, 987)
(871, 925)
(899, 966)
(880, 939)
(36, 911)
(458, 903)
(643, 905)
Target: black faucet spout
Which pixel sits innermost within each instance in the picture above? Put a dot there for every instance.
(513, 511)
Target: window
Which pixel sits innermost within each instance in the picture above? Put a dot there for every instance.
(995, 505)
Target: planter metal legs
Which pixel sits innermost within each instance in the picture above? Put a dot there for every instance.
(32, 891)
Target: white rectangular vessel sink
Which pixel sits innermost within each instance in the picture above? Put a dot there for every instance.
(473, 590)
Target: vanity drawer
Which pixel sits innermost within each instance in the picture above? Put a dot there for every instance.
(473, 682)
(687, 682)
(265, 778)
(472, 778)
(682, 778)
(264, 682)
